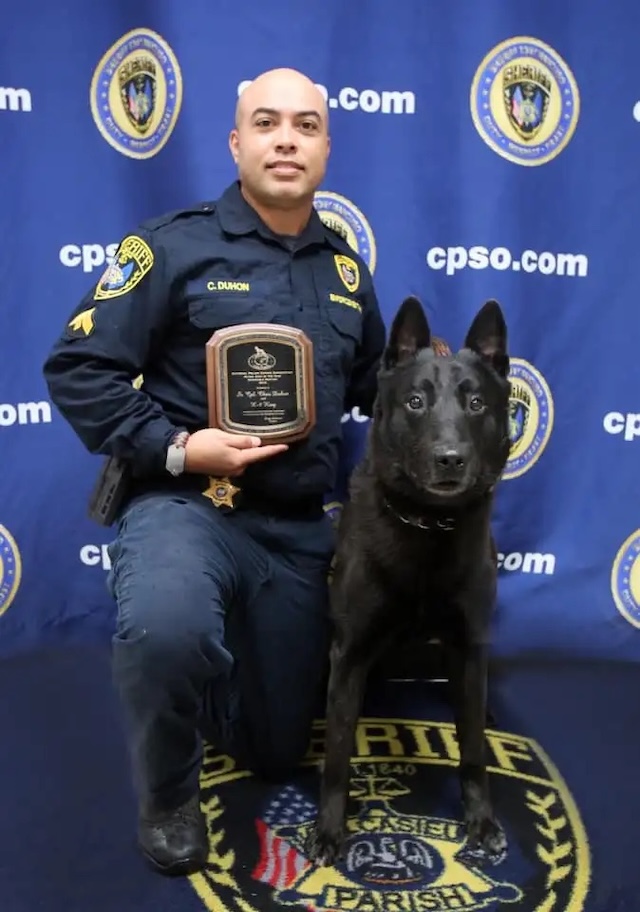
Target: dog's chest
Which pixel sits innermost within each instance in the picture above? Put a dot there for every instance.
(423, 585)
(418, 563)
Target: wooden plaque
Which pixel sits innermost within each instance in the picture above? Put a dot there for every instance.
(260, 381)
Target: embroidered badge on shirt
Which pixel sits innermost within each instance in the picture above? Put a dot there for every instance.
(348, 272)
(132, 262)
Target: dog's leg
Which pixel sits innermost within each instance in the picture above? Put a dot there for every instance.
(346, 686)
(468, 670)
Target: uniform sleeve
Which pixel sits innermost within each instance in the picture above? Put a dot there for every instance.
(105, 345)
(363, 385)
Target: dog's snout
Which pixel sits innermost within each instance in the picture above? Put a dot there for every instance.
(450, 461)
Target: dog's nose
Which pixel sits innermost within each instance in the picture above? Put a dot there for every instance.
(450, 461)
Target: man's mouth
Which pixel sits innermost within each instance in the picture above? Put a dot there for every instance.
(284, 167)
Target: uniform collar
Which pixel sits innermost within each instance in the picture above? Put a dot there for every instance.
(236, 216)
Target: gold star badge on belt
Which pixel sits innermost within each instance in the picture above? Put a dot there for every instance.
(221, 492)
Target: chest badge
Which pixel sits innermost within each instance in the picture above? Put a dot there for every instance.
(348, 271)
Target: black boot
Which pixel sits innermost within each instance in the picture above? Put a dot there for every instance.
(174, 842)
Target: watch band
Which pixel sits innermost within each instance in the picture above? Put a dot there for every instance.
(176, 453)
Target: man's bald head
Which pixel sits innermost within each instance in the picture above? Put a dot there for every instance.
(282, 83)
(280, 141)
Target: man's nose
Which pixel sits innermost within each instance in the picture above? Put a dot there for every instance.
(286, 137)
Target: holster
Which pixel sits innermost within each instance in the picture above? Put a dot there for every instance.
(109, 491)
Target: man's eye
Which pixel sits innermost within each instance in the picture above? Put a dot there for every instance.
(415, 402)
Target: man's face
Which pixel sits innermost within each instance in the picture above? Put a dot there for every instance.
(281, 142)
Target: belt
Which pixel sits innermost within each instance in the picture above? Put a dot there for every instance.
(228, 496)
(225, 494)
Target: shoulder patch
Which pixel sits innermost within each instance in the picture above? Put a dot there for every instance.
(133, 260)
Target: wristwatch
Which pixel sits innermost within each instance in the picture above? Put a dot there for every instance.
(176, 453)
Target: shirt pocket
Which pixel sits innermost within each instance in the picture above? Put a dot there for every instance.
(207, 314)
(341, 337)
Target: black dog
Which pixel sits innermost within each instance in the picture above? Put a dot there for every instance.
(415, 550)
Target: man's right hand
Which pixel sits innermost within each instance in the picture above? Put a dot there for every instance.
(217, 453)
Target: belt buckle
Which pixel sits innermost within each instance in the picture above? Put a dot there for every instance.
(221, 492)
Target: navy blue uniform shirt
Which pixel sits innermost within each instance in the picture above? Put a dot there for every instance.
(175, 281)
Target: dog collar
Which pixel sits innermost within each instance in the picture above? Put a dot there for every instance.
(447, 524)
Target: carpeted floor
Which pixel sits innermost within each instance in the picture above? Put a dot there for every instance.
(564, 759)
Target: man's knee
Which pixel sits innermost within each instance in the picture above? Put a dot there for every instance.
(170, 646)
(169, 627)
(171, 581)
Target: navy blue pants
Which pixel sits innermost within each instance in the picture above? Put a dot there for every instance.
(222, 628)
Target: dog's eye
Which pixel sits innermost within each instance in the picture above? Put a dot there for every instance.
(476, 403)
(415, 402)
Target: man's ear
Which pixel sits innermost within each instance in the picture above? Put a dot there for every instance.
(233, 144)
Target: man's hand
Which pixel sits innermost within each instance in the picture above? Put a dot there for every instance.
(214, 452)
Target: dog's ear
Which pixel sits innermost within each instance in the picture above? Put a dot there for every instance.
(487, 337)
(410, 332)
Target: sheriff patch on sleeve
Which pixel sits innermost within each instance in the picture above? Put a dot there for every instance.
(132, 262)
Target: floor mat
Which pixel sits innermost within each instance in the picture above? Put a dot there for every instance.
(564, 755)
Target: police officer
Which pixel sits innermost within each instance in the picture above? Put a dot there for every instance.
(222, 617)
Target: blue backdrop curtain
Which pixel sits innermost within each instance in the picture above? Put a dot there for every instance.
(479, 150)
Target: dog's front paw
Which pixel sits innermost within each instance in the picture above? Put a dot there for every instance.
(486, 842)
(324, 846)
